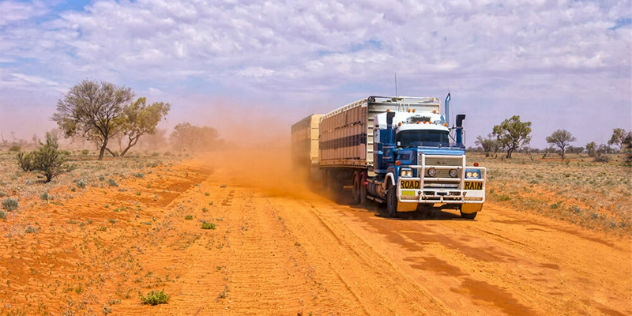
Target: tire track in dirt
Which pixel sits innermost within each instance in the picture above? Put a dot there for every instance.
(379, 287)
(279, 253)
(269, 271)
(482, 267)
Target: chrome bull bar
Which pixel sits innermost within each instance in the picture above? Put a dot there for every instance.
(441, 189)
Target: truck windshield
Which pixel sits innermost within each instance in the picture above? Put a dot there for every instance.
(417, 138)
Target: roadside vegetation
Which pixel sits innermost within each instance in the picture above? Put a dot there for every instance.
(90, 231)
(579, 190)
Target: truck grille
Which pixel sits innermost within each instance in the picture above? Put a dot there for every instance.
(438, 162)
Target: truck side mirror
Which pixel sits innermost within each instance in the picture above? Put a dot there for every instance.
(459, 120)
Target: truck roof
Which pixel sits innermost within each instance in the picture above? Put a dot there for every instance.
(382, 103)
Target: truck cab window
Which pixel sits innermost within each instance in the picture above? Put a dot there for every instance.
(414, 138)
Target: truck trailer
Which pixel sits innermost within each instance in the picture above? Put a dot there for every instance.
(395, 150)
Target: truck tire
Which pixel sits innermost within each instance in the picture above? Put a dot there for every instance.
(391, 201)
(362, 189)
(357, 187)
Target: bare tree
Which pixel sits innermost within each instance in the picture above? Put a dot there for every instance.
(561, 138)
(91, 109)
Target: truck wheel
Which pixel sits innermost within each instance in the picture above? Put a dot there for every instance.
(362, 177)
(391, 201)
(356, 187)
(468, 215)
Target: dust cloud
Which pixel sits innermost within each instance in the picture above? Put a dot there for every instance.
(256, 151)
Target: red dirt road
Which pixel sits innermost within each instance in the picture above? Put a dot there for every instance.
(282, 250)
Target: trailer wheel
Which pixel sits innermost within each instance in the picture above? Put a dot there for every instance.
(357, 187)
(362, 188)
(391, 201)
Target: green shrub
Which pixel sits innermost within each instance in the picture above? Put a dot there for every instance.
(85, 152)
(10, 204)
(15, 148)
(46, 159)
(189, 217)
(3, 194)
(112, 183)
(3, 215)
(45, 197)
(155, 298)
(207, 225)
(81, 184)
(25, 161)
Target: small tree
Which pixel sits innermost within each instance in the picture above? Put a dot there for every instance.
(46, 160)
(591, 148)
(139, 119)
(618, 137)
(50, 161)
(576, 150)
(512, 134)
(156, 140)
(194, 138)
(601, 153)
(627, 146)
(489, 144)
(91, 110)
(561, 138)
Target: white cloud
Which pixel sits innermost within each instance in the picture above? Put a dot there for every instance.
(15, 11)
(485, 49)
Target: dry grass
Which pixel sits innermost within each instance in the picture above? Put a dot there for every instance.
(577, 190)
(82, 251)
(17, 184)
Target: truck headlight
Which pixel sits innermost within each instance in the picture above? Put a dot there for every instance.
(453, 173)
(472, 174)
(432, 172)
(406, 173)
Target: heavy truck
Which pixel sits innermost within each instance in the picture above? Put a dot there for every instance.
(400, 151)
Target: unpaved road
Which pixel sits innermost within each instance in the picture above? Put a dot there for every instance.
(285, 251)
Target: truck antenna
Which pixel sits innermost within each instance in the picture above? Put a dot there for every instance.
(396, 85)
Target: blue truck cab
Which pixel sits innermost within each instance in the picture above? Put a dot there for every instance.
(419, 161)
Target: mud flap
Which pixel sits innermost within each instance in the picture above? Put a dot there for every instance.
(469, 208)
(405, 207)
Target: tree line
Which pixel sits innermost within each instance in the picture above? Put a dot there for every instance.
(101, 111)
(512, 134)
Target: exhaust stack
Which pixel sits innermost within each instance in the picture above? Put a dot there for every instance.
(447, 109)
(459, 129)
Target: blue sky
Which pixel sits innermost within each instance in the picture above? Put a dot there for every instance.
(236, 64)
